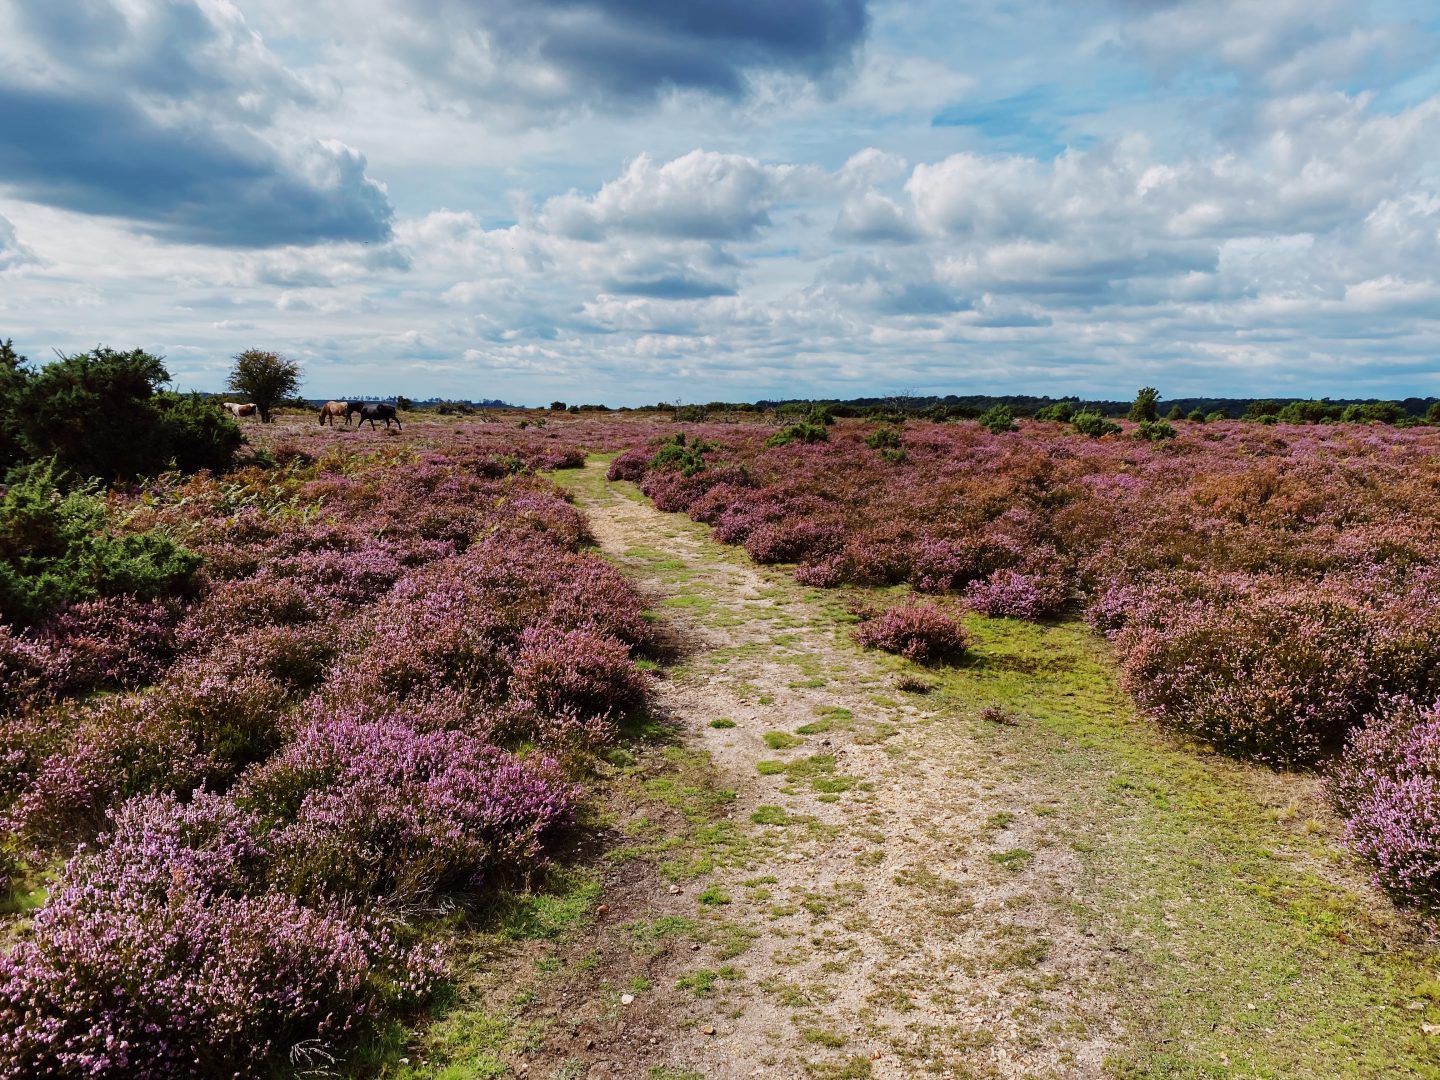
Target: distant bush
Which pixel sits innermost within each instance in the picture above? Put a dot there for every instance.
(1218, 414)
(1309, 412)
(1432, 414)
(1143, 408)
(921, 632)
(1376, 412)
(1258, 410)
(885, 438)
(998, 419)
(1061, 411)
(1154, 430)
(61, 549)
(1093, 424)
(1196, 415)
(805, 432)
(676, 454)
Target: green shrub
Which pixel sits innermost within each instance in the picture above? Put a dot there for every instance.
(1144, 407)
(1376, 412)
(102, 414)
(1309, 412)
(676, 454)
(886, 438)
(58, 549)
(1155, 430)
(1258, 410)
(1196, 415)
(804, 431)
(1432, 414)
(998, 419)
(1093, 424)
(1218, 414)
(1061, 411)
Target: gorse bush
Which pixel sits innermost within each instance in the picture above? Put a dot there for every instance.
(804, 432)
(64, 549)
(102, 414)
(1155, 430)
(689, 459)
(998, 419)
(1093, 424)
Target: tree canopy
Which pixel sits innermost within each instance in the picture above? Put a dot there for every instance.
(264, 377)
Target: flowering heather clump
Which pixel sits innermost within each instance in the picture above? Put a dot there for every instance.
(1278, 674)
(108, 983)
(378, 808)
(630, 465)
(922, 632)
(114, 641)
(31, 671)
(578, 671)
(1019, 595)
(1387, 787)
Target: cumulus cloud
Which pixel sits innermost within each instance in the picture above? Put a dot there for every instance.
(159, 112)
(702, 195)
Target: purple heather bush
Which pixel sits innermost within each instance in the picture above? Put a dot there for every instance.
(115, 641)
(161, 955)
(921, 632)
(1387, 787)
(377, 808)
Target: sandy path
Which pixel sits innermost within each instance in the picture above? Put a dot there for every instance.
(912, 911)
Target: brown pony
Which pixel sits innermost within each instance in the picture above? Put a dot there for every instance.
(237, 410)
(331, 409)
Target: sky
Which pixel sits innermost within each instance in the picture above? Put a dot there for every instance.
(632, 201)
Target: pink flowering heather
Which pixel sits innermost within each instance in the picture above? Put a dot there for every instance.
(1019, 594)
(114, 641)
(1387, 787)
(377, 808)
(921, 632)
(582, 671)
(160, 956)
(30, 670)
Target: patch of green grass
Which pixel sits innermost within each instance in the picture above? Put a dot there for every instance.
(666, 1072)
(562, 907)
(766, 699)
(807, 684)
(713, 896)
(1000, 820)
(781, 740)
(769, 768)
(857, 1068)
(822, 1037)
(702, 983)
(722, 723)
(770, 815)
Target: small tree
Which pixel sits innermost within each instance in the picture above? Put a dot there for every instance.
(998, 418)
(1432, 414)
(1144, 407)
(264, 378)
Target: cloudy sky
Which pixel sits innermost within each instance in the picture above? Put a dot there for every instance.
(639, 200)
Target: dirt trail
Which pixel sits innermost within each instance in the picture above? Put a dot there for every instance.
(912, 910)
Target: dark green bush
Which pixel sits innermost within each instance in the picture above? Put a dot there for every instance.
(102, 414)
(1155, 430)
(1093, 424)
(1144, 407)
(1197, 415)
(1258, 410)
(1309, 412)
(1376, 412)
(58, 549)
(804, 431)
(1061, 411)
(883, 439)
(676, 454)
(998, 419)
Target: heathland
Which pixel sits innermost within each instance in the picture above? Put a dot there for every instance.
(560, 745)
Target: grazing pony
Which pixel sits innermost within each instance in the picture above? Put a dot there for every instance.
(237, 410)
(331, 409)
(373, 412)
